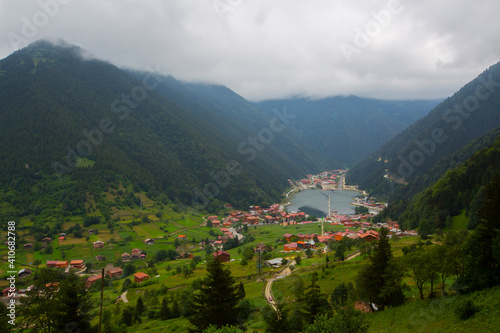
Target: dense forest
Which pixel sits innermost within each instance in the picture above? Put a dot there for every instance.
(404, 199)
(461, 118)
(461, 189)
(72, 126)
(349, 128)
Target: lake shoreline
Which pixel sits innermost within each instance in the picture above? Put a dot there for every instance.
(317, 200)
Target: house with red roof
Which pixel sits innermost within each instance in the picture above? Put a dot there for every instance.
(222, 255)
(77, 264)
(114, 272)
(290, 247)
(140, 277)
(6, 291)
(91, 280)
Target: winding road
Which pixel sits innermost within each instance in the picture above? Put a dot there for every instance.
(268, 292)
(269, 286)
(124, 297)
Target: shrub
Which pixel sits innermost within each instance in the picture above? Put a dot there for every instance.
(466, 309)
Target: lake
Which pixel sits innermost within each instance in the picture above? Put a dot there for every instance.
(315, 202)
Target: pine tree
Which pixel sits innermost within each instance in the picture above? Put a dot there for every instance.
(127, 316)
(241, 291)
(217, 298)
(375, 280)
(276, 321)
(165, 310)
(140, 306)
(316, 303)
(73, 305)
(176, 312)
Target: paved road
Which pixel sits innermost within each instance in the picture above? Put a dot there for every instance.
(352, 255)
(269, 286)
(233, 231)
(287, 271)
(124, 297)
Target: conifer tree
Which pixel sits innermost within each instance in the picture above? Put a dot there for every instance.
(241, 291)
(165, 310)
(73, 305)
(276, 321)
(215, 304)
(316, 303)
(376, 281)
(140, 306)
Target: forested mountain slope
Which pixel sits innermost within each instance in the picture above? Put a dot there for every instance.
(72, 125)
(462, 188)
(403, 197)
(471, 112)
(347, 129)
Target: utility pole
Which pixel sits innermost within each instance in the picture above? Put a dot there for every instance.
(259, 262)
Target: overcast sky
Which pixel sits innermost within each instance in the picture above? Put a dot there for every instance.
(265, 49)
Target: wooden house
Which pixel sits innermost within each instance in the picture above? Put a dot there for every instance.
(125, 257)
(139, 277)
(77, 264)
(114, 272)
(290, 247)
(223, 256)
(91, 280)
(98, 244)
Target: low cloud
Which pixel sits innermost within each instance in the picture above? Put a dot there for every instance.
(274, 49)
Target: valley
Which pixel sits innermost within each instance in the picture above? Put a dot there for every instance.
(188, 201)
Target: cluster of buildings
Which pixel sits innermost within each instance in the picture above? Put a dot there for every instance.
(329, 180)
(115, 272)
(309, 241)
(370, 203)
(255, 216)
(135, 254)
(300, 242)
(73, 264)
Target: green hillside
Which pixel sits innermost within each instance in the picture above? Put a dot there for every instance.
(438, 315)
(439, 193)
(89, 124)
(468, 114)
(347, 129)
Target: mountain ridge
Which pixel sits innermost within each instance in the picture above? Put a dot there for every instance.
(448, 127)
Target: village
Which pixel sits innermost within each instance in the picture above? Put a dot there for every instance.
(226, 228)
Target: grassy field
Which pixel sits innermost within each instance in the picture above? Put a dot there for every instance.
(437, 315)
(460, 222)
